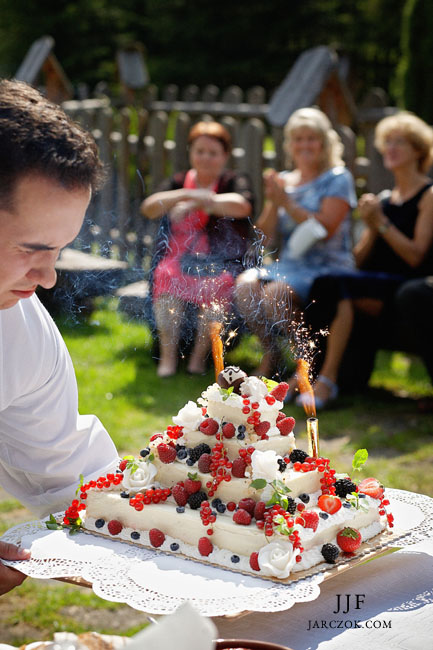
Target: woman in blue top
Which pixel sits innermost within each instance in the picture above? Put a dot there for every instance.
(309, 209)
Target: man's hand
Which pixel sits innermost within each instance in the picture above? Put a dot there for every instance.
(10, 578)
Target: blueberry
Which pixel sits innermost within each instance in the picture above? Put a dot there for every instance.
(174, 547)
(119, 471)
(213, 512)
(346, 504)
(182, 453)
(124, 495)
(190, 462)
(221, 508)
(223, 424)
(240, 436)
(135, 535)
(235, 559)
(215, 502)
(242, 428)
(99, 523)
(361, 495)
(304, 498)
(324, 515)
(180, 509)
(144, 452)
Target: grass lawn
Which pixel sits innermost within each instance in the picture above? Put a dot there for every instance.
(117, 381)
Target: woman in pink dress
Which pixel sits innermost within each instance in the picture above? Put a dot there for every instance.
(202, 241)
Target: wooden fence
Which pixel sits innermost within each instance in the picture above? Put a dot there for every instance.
(141, 145)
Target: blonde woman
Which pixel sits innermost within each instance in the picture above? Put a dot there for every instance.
(309, 210)
(396, 244)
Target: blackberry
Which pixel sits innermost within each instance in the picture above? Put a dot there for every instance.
(235, 559)
(291, 506)
(305, 498)
(330, 553)
(196, 452)
(180, 509)
(135, 535)
(99, 523)
(343, 487)
(181, 452)
(323, 515)
(124, 495)
(281, 465)
(145, 452)
(195, 499)
(298, 456)
(174, 547)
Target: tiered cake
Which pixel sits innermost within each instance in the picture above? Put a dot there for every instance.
(225, 484)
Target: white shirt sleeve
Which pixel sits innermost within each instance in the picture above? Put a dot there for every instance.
(44, 443)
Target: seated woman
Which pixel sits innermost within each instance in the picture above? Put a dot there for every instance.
(310, 208)
(396, 244)
(202, 240)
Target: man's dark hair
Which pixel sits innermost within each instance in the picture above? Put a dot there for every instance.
(37, 137)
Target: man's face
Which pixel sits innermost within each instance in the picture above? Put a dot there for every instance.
(45, 218)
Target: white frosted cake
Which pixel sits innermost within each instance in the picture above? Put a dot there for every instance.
(225, 484)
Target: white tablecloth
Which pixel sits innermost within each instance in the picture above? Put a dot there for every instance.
(396, 612)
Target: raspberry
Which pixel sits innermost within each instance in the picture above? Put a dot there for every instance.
(281, 416)
(242, 517)
(209, 427)
(330, 553)
(297, 456)
(259, 510)
(286, 425)
(114, 527)
(167, 453)
(156, 537)
(228, 430)
(179, 494)
(205, 546)
(280, 391)
(238, 468)
(311, 519)
(192, 484)
(247, 504)
(262, 428)
(122, 465)
(204, 463)
(254, 561)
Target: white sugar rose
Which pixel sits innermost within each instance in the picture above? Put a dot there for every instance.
(277, 559)
(141, 479)
(265, 464)
(254, 387)
(189, 417)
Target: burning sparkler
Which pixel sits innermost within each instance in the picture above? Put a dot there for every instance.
(217, 347)
(305, 388)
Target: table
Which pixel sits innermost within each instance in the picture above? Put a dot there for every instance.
(394, 609)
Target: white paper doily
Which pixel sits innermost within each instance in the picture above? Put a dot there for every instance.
(157, 583)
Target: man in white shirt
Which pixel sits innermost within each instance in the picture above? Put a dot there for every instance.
(49, 168)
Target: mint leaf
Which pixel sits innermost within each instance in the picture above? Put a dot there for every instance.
(359, 458)
(258, 484)
(226, 392)
(270, 383)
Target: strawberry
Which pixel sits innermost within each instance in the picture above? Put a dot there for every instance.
(114, 527)
(122, 465)
(156, 537)
(308, 519)
(259, 510)
(262, 428)
(167, 453)
(280, 391)
(286, 425)
(329, 503)
(242, 517)
(247, 504)
(238, 468)
(349, 539)
(372, 488)
(254, 561)
(205, 546)
(209, 427)
(204, 463)
(228, 430)
(192, 484)
(179, 494)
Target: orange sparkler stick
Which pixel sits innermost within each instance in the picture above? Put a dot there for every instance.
(305, 388)
(217, 347)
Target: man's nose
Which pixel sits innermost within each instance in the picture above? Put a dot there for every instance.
(44, 276)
